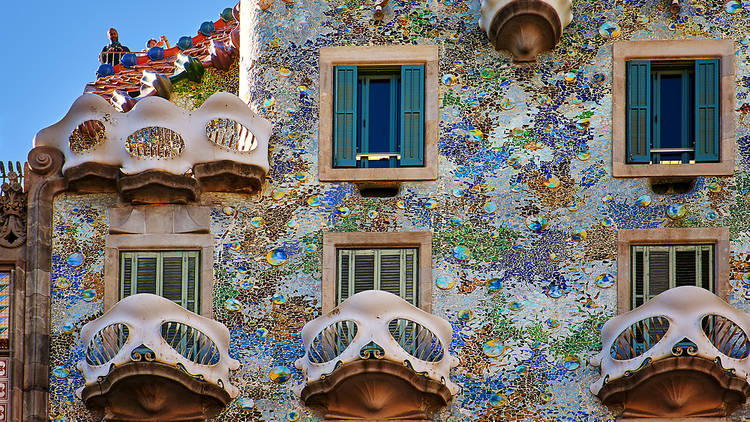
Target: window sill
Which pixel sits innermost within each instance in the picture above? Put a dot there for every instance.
(723, 168)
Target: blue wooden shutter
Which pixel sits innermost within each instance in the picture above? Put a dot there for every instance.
(707, 110)
(345, 117)
(412, 115)
(638, 126)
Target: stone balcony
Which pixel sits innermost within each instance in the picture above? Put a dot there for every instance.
(682, 354)
(147, 358)
(525, 27)
(377, 357)
(158, 152)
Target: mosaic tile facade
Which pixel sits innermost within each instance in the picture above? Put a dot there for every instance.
(524, 213)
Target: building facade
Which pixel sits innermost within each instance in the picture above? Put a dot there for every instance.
(522, 174)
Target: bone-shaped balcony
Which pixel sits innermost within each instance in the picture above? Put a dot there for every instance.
(158, 152)
(377, 357)
(148, 358)
(684, 353)
(525, 27)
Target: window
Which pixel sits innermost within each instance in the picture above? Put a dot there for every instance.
(156, 229)
(397, 262)
(673, 111)
(392, 270)
(378, 113)
(5, 293)
(650, 261)
(379, 117)
(172, 275)
(656, 269)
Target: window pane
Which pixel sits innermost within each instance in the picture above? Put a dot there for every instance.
(658, 272)
(5, 293)
(379, 119)
(671, 115)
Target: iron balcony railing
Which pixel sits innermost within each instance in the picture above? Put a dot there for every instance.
(114, 57)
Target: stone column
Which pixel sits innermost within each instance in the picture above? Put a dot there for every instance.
(44, 181)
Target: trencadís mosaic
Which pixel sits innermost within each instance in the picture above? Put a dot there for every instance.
(524, 212)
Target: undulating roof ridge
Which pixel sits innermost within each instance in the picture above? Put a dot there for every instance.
(216, 45)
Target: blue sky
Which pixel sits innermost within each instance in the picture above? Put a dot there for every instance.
(51, 50)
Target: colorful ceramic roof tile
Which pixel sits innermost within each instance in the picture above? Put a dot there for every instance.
(215, 45)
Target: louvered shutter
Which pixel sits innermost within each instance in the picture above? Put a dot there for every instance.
(412, 115)
(345, 117)
(410, 275)
(658, 271)
(146, 273)
(342, 277)
(638, 109)
(391, 277)
(707, 110)
(192, 282)
(364, 271)
(126, 275)
(172, 275)
(686, 263)
(707, 267)
(391, 270)
(638, 268)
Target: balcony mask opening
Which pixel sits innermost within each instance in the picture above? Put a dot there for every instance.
(671, 185)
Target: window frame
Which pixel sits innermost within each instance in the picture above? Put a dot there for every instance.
(378, 56)
(362, 117)
(159, 282)
(627, 238)
(377, 254)
(672, 250)
(11, 271)
(657, 75)
(722, 49)
(332, 242)
(145, 228)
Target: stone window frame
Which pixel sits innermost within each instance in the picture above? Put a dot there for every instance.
(421, 240)
(387, 55)
(160, 231)
(723, 49)
(626, 238)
